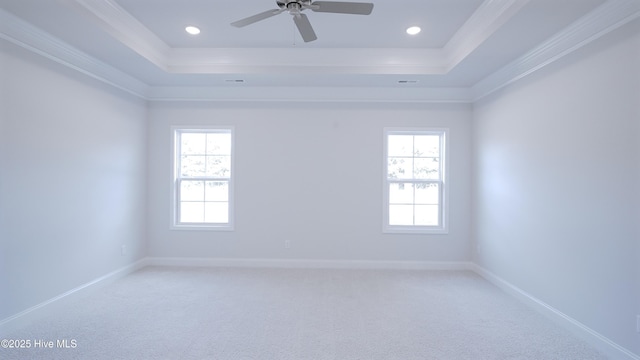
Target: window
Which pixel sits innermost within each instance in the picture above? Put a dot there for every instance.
(415, 180)
(203, 179)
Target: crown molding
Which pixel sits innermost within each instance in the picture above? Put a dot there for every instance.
(607, 17)
(312, 94)
(488, 18)
(23, 34)
(127, 29)
(602, 20)
(305, 61)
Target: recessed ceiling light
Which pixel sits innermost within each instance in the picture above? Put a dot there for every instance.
(414, 30)
(192, 30)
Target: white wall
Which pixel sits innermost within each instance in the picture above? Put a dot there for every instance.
(637, 102)
(3, 156)
(72, 180)
(557, 182)
(312, 174)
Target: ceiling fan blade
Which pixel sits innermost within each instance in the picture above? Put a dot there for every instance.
(342, 7)
(304, 26)
(255, 18)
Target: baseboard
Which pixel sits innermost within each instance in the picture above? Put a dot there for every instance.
(309, 263)
(595, 339)
(14, 322)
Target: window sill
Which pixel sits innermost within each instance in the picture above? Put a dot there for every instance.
(200, 227)
(415, 230)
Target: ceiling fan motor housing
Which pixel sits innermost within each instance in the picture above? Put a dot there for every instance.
(294, 6)
(284, 4)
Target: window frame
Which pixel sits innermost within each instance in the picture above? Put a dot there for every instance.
(443, 209)
(176, 179)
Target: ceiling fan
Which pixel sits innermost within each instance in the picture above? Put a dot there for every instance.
(296, 7)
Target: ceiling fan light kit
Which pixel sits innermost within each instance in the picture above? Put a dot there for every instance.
(296, 7)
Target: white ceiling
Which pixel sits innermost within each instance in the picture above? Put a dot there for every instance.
(463, 43)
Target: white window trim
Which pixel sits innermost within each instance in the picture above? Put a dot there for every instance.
(175, 225)
(443, 228)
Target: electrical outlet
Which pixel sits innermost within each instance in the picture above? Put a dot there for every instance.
(287, 244)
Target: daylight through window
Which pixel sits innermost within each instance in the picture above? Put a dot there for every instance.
(203, 178)
(415, 181)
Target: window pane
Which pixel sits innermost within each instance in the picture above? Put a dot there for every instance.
(415, 173)
(400, 168)
(427, 215)
(192, 143)
(427, 146)
(191, 190)
(191, 212)
(203, 175)
(400, 145)
(428, 194)
(426, 168)
(400, 214)
(192, 165)
(218, 166)
(216, 212)
(219, 144)
(217, 191)
(400, 193)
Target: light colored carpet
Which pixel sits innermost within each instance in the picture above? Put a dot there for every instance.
(220, 313)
